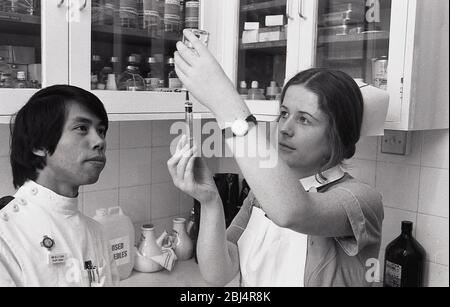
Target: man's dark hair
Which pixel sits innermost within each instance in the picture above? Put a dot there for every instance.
(39, 125)
(341, 100)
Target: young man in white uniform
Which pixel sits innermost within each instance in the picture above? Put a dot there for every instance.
(57, 145)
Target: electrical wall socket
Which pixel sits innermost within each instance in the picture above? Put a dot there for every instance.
(396, 142)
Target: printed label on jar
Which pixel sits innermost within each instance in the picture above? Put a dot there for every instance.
(393, 276)
(120, 248)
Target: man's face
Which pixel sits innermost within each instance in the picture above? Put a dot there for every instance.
(79, 156)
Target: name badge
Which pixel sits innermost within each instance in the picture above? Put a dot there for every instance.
(56, 258)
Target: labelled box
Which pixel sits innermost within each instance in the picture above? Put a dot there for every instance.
(250, 36)
(274, 20)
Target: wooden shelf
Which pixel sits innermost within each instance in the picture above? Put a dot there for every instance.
(137, 36)
(268, 47)
(20, 24)
(369, 36)
(263, 6)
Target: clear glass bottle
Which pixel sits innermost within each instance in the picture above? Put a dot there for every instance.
(151, 17)
(21, 80)
(103, 77)
(172, 78)
(154, 73)
(183, 247)
(131, 79)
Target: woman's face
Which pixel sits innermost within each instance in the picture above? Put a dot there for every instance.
(302, 131)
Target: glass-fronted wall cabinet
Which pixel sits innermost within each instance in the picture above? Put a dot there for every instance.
(29, 59)
(400, 46)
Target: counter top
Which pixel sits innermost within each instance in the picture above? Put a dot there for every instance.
(184, 274)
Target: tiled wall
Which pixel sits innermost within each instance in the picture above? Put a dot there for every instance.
(135, 177)
(414, 188)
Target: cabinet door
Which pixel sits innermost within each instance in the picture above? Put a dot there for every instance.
(364, 38)
(33, 50)
(123, 52)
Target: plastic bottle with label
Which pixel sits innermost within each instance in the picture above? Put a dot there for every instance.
(192, 14)
(120, 235)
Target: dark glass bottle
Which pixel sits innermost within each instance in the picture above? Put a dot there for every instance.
(404, 260)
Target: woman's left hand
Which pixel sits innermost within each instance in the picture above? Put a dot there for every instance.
(190, 173)
(203, 76)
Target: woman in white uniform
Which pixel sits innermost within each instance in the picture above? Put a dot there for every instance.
(306, 222)
(57, 145)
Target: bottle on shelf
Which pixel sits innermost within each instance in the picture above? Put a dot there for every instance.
(96, 67)
(128, 13)
(6, 80)
(104, 78)
(109, 11)
(243, 90)
(115, 64)
(172, 16)
(131, 79)
(256, 93)
(172, 78)
(182, 14)
(151, 17)
(404, 260)
(153, 75)
(21, 80)
(98, 7)
(273, 91)
(192, 14)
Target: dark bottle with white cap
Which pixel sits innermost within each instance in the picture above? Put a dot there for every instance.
(404, 260)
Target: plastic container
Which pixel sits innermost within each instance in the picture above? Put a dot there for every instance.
(256, 93)
(120, 234)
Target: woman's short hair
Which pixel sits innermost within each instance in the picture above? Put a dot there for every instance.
(39, 125)
(341, 100)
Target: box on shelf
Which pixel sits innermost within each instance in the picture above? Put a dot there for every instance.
(269, 34)
(251, 26)
(274, 20)
(250, 36)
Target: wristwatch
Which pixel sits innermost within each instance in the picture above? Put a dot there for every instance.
(240, 127)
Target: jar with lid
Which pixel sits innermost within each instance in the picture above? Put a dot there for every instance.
(273, 91)
(243, 90)
(172, 78)
(21, 80)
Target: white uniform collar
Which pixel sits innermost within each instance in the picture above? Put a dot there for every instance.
(314, 182)
(42, 196)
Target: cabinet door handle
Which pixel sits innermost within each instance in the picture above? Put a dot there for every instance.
(83, 6)
(59, 3)
(288, 9)
(300, 10)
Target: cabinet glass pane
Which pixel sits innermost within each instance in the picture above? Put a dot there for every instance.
(133, 43)
(262, 48)
(353, 36)
(20, 44)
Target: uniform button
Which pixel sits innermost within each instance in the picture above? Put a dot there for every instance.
(34, 191)
(16, 208)
(5, 217)
(23, 202)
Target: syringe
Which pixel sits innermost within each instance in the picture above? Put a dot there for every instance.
(189, 117)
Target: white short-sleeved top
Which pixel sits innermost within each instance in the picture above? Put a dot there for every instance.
(36, 212)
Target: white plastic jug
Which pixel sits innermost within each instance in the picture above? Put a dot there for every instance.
(119, 232)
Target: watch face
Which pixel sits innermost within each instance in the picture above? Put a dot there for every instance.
(240, 127)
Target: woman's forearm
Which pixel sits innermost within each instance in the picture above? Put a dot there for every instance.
(218, 260)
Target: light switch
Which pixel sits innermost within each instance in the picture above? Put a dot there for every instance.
(396, 142)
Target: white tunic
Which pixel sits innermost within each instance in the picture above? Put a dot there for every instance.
(37, 212)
